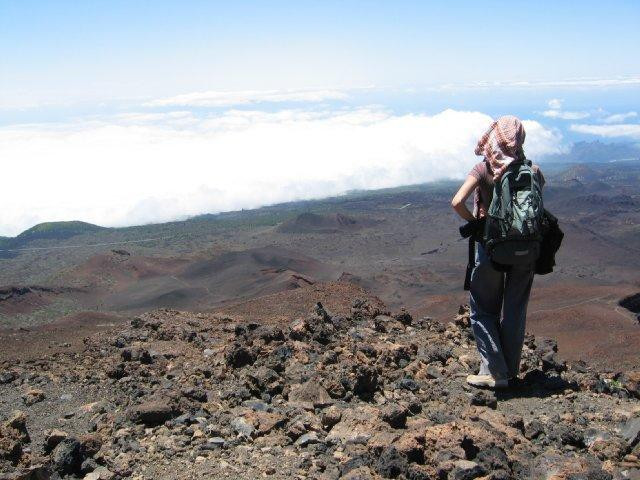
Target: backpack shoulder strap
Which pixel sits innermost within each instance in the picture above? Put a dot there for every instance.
(502, 193)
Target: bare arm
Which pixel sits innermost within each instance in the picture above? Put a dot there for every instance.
(459, 200)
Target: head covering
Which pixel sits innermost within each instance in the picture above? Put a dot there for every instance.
(502, 144)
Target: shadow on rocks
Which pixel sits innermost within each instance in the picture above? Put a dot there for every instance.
(536, 384)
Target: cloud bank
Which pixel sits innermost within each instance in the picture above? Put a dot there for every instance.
(246, 97)
(143, 167)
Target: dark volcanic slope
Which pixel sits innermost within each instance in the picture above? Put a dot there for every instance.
(366, 395)
(14, 300)
(325, 223)
(24, 300)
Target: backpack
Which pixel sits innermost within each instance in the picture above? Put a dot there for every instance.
(513, 228)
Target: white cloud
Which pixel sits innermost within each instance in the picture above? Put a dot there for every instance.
(541, 140)
(565, 115)
(591, 82)
(229, 98)
(146, 117)
(631, 130)
(620, 117)
(555, 104)
(555, 111)
(133, 169)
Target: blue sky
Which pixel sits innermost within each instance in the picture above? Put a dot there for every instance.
(64, 51)
(85, 85)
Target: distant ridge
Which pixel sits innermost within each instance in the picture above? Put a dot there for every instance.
(595, 152)
(46, 231)
(58, 230)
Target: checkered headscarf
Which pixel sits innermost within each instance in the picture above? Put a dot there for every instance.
(502, 144)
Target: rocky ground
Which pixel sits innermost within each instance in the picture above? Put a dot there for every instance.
(366, 395)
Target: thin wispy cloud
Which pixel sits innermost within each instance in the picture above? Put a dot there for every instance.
(623, 130)
(134, 168)
(631, 80)
(146, 117)
(230, 98)
(620, 117)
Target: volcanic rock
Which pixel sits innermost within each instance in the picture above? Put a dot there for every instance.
(53, 438)
(67, 456)
(465, 470)
(309, 395)
(365, 395)
(485, 398)
(151, 413)
(239, 356)
(7, 376)
(13, 437)
(395, 415)
(631, 431)
(32, 396)
(307, 439)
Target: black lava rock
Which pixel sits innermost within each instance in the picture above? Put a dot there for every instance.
(239, 356)
(409, 384)
(66, 458)
(533, 429)
(366, 381)
(391, 463)
(485, 398)
(395, 415)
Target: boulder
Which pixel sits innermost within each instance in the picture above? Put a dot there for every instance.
(53, 438)
(66, 458)
(238, 356)
(391, 463)
(7, 376)
(395, 415)
(357, 425)
(33, 396)
(631, 431)
(366, 381)
(331, 416)
(100, 473)
(307, 439)
(242, 427)
(631, 381)
(309, 395)
(13, 437)
(484, 398)
(465, 470)
(151, 413)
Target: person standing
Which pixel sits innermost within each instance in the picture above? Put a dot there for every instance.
(499, 295)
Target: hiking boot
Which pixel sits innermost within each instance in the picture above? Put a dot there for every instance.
(487, 381)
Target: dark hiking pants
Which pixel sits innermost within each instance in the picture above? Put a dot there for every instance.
(498, 303)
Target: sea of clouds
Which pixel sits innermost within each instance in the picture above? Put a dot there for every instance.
(148, 166)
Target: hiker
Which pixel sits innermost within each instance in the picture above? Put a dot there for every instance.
(496, 287)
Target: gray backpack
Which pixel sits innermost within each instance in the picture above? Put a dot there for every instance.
(513, 228)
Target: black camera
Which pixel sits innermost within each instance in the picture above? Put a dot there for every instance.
(473, 228)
